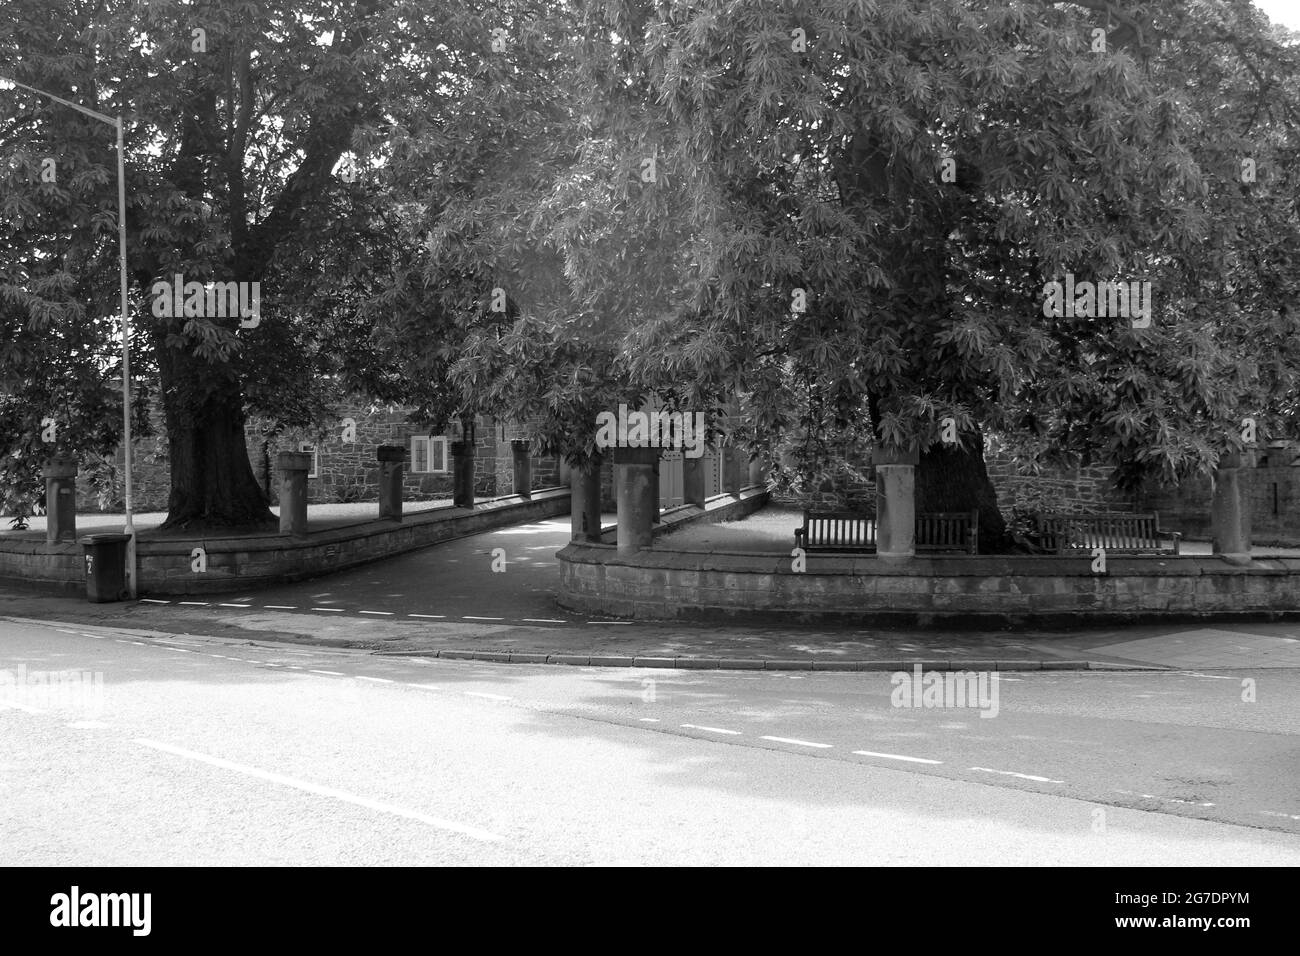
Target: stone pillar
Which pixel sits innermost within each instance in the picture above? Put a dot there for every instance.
(294, 467)
(895, 504)
(1230, 510)
(391, 458)
(756, 473)
(693, 481)
(60, 476)
(731, 470)
(462, 474)
(523, 468)
(584, 503)
(637, 503)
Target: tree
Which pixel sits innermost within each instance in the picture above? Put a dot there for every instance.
(241, 118)
(920, 173)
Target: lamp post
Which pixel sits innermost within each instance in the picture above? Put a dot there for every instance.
(8, 84)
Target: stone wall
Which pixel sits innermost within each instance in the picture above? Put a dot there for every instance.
(949, 591)
(261, 560)
(348, 471)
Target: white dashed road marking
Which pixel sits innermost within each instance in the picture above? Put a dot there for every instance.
(801, 743)
(152, 601)
(542, 620)
(319, 790)
(1021, 776)
(713, 730)
(471, 693)
(872, 753)
(439, 616)
(234, 605)
(280, 607)
(326, 673)
(384, 613)
(336, 610)
(377, 680)
(471, 617)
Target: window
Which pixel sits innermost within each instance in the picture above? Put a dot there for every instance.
(315, 458)
(428, 454)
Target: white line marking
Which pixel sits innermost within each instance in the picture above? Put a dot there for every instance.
(472, 693)
(178, 650)
(542, 620)
(62, 631)
(648, 720)
(152, 601)
(1021, 776)
(384, 613)
(801, 743)
(281, 607)
(269, 664)
(427, 615)
(712, 730)
(234, 605)
(194, 603)
(1274, 813)
(319, 790)
(1152, 796)
(336, 610)
(611, 622)
(293, 667)
(471, 617)
(98, 637)
(872, 753)
(138, 643)
(327, 673)
(377, 680)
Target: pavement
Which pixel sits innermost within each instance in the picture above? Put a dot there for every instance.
(448, 601)
(201, 751)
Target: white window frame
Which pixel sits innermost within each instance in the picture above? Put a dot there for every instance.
(315, 457)
(431, 442)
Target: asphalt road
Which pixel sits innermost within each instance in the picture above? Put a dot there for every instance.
(197, 751)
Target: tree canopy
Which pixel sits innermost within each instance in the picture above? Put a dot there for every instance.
(839, 219)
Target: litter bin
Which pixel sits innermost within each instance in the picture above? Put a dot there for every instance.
(105, 567)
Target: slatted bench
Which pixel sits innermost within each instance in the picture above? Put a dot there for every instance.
(851, 531)
(1119, 533)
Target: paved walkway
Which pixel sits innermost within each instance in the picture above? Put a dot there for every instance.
(448, 600)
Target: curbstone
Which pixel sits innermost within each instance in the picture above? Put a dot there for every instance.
(654, 662)
(611, 661)
(787, 665)
(567, 659)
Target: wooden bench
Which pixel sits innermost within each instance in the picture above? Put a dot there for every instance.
(1119, 533)
(851, 531)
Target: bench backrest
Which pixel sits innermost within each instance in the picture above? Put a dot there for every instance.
(1111, 531)
(840, 529)
(847, 530)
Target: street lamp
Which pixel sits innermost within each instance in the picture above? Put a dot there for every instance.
(8, 84)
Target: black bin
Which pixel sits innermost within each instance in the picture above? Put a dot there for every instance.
(105, 567)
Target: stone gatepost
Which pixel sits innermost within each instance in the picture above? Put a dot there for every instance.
(757, 473)
(462, 474)
(895, 503)
(523, 468)
(584, 502)
(391, 459)
(1230, 510)
(693, 481)
(60, 476)
(637, 501)
(294, 466)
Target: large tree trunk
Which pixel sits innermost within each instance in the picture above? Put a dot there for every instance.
(954, 478)
(213, 487)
